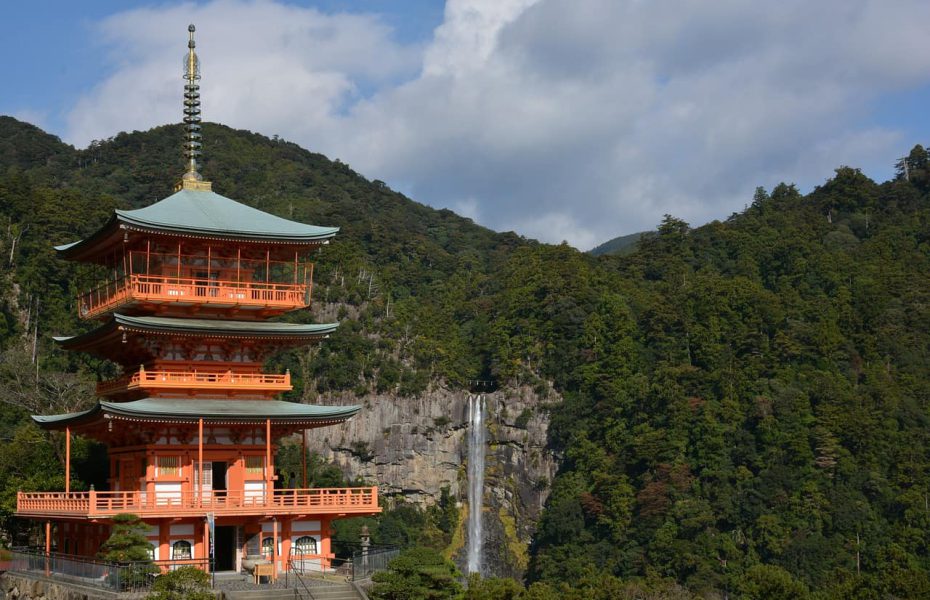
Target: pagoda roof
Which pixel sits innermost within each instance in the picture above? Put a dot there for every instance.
(191, 410)
(106, 340)
(202, 214)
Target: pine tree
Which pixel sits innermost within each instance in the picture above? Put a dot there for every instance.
(127, 541)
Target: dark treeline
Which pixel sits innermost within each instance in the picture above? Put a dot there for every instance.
(745, 403)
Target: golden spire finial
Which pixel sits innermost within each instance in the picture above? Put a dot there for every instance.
(192, 180)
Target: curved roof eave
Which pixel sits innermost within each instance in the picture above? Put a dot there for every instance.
(215, 326)
(210, 214)
(202, 326)
(191, 409)
(75, 249)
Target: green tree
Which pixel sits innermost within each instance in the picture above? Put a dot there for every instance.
(127, 544)
(127, 541)
(492, 588)
(417, 574)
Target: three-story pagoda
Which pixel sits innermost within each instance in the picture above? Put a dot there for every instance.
(185, 290)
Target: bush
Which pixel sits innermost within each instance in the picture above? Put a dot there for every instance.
(417, 574)
(185, 583)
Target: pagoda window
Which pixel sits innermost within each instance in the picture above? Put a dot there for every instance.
(173, 352)
(305, 545)
(209, 352)
(181, 550)
(168, 466)
(267, 545)
(255, 465)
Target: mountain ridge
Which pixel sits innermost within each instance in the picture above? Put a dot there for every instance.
(736, 407)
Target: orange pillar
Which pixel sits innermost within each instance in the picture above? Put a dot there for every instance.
(164, 545)
(199, 486)
(206, 545)
(48, 547)
(274, 548)
(269, 481)
(286, 535)
(303, 456)
(67, 460)
(150, 479)
(324, 542)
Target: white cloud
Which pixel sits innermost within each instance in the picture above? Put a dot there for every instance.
(270, 67)
(562, 120)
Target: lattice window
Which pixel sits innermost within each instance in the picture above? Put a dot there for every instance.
(169, 465)
(255, 465)
(267, 545)
(305, 545)
(181, 550)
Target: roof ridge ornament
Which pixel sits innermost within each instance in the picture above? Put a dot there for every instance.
(192, 179)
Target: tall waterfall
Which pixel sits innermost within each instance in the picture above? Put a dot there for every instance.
(475, 481)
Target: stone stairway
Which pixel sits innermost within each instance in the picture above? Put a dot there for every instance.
(331, 591)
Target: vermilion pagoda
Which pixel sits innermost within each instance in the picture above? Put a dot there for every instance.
(187, 285)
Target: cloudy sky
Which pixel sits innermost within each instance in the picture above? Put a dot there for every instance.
(574, 120)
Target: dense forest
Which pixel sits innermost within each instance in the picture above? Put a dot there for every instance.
(745, 406)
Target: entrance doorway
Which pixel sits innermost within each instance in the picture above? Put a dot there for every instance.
(219, 476)
(224, 548)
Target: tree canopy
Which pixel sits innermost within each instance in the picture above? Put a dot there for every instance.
(745, 402)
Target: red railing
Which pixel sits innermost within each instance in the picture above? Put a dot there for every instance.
(159, 289)
(215, 380)
(359, 500)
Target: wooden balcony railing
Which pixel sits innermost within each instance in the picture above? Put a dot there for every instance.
(359, 500)
(156, 289)
(195, 380)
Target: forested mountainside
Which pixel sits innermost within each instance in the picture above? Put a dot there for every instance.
(744, 405)
(623, 244)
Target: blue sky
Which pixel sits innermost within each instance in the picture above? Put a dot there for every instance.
(65, 57)
(562, 120)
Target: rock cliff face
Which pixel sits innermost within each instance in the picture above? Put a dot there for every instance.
(413, 447)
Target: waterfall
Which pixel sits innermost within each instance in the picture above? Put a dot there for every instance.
(475, 481)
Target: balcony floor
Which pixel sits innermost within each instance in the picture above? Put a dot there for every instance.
(91, 505)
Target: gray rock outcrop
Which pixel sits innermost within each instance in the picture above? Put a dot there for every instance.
(413, 447)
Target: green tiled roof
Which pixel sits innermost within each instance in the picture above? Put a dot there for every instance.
(205, 327)
(205, 213)
(104, 341)
(190, 211)
(245, 328)
(191, 409)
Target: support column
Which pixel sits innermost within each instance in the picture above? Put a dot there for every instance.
(164, 545)
(325, 546)
(269, 481)
(199, 486)
(286, 535)
(150, 478)
(303, 456)
(274, 548)
(206, 545)
(48, 547)
(67, 460)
